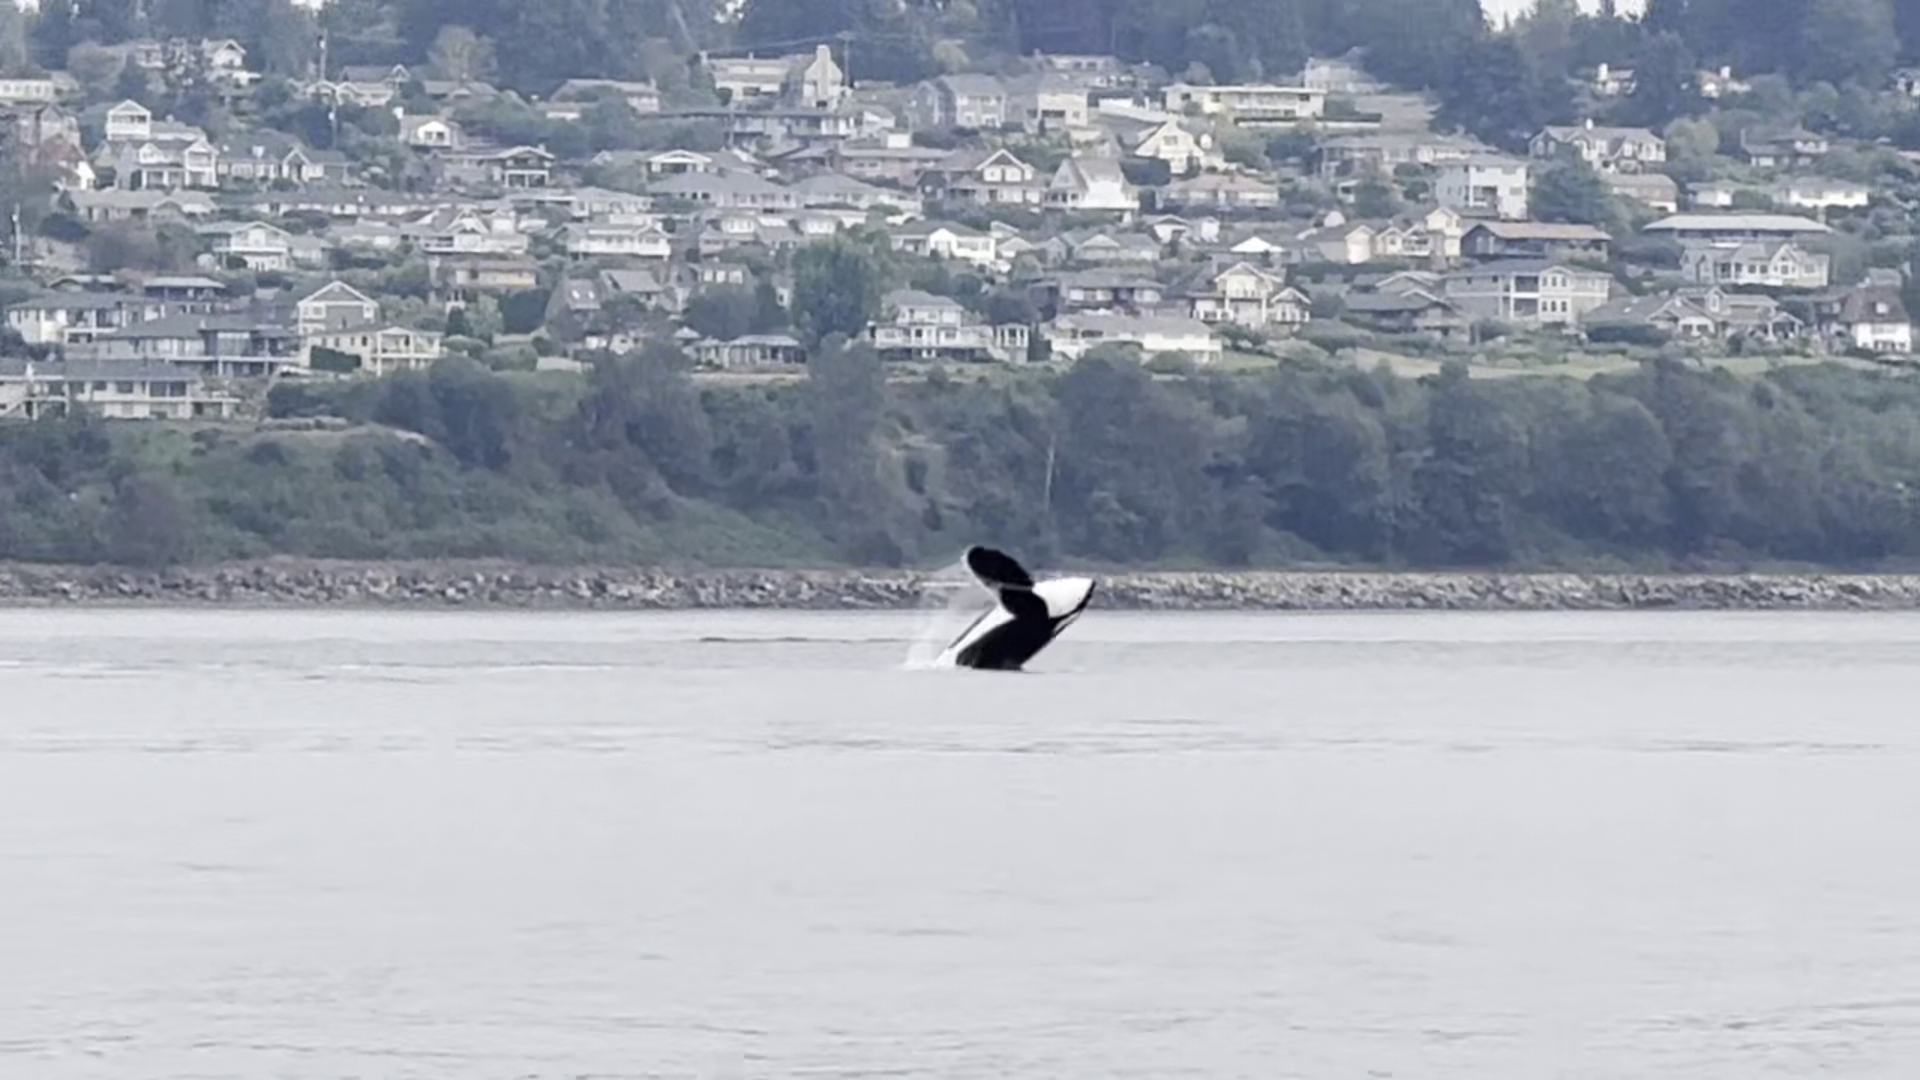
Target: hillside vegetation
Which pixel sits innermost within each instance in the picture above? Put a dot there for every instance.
(1103, 464)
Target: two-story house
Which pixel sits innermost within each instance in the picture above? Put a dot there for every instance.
(1528, 292)
(1606, 149)
(1185, 150)
(31, 390)
(378, 348)
(599, 239)
(128, 121)
(742, 80)
(1250, 296)
(1791, 148)
(1778, 264)
(1103, 290)
(916, 325)
(62, 317)
(986, 178)
(963, 101)
(1488, 186)
(1091, 185)
(1875, 319)
(1050, 104)
(217, 345)
(254, 245)
(468, 230)
(334, 304)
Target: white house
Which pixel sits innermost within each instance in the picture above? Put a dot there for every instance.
(1249, 105)
(1251, 296)
(937, 240)
(1485, 185)
(1185, 151)
(1092, 185)
(127, 121)
(589, 239)
(1071, 337)
(1875, 319)
(1822, 193)
(430, 133)
(28, 91)
(921, 326)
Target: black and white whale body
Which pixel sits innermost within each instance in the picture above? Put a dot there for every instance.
(1029, 615)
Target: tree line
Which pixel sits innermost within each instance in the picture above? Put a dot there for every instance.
(1104, 463)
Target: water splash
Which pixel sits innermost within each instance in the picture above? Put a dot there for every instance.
(950, 599)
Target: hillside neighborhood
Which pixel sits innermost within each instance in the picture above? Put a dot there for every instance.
(358, 221)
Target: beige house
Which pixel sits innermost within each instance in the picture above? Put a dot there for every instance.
(1528, 292)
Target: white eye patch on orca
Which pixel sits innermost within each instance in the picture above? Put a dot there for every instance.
(1028, 616)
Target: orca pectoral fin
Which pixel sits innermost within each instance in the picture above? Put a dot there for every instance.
(997, 569)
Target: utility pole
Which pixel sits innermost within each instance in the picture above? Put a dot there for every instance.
(19, 242)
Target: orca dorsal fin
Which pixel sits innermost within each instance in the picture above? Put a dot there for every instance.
(997, 569)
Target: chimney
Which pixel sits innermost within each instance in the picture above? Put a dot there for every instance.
(1601, 74)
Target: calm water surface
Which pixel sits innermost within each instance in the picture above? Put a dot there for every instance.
(1421, 847)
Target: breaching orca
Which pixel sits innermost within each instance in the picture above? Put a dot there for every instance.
(1029, 615)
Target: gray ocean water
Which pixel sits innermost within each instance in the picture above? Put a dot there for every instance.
(1497, 847)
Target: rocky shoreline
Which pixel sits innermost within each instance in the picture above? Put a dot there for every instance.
(290, 583)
